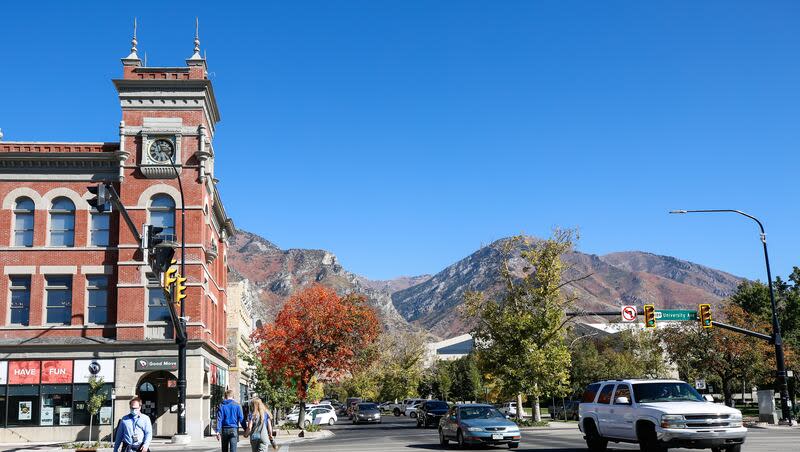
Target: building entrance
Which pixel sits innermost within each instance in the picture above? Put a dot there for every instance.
(159, 393)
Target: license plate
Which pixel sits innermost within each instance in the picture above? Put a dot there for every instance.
(497, 436)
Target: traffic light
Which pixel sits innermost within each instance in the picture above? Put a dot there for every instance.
(180, 291)
(159, 257)
(102, 198)
(705, 315)
(170, 276)
(649, 316)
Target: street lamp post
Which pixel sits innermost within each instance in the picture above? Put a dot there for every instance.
(182, 338)
(786, 413)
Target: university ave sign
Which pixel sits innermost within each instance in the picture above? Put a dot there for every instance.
(677, 315)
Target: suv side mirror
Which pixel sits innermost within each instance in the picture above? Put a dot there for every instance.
(708, 397)
(622, 401)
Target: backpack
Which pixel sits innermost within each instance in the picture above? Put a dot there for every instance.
(261, 432)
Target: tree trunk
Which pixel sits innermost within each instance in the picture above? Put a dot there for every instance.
(519, 405)
(727, 391)
(537, 413)
(301, 417)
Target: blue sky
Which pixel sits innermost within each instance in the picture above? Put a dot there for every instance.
(403, 135)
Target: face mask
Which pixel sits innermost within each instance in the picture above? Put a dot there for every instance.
(134, 411)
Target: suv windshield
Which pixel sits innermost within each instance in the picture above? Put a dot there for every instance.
(436, 405)
(480, 412)
(666, 392)
(367, 406)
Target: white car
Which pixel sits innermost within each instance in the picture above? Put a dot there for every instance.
(657, 414)
(510, 409)
(411, 408)
(316, 415)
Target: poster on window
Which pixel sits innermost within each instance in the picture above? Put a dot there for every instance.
(47, 415)
(105, 415)
(65, 416)
(25, 410)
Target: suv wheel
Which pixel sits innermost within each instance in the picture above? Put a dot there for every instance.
(443, 441)
(594, 442)
(460, 438)
(648, 441)
(397, 411)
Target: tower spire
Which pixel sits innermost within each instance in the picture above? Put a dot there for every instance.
(196, 58)
(133, 58)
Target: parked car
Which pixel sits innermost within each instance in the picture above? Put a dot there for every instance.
(510, 409)
(349, 404)
(320, 415)
(430, 412)
(366, 412)
(408, 403)
(478, 424)
(411, 408)
(392, 407)
(657, 414)
(568, 410)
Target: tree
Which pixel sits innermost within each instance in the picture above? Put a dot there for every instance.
(520, 336)
(722, 355)
(97, 397)
(317, 332)
(467, 381)
(399, 366)
(271, 387)
(753, 297)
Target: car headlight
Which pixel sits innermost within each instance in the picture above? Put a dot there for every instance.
(673, 421)
(735, 420)
(475, 429)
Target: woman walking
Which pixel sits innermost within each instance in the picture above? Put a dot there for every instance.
(259, 426)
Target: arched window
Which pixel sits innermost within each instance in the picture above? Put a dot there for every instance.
(162, 214)
(62, 222)
(23, 222)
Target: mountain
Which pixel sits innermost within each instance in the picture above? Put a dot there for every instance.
(394, 285)
(277, 273)
(607, 283)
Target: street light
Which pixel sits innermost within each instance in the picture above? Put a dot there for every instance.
(786, 413)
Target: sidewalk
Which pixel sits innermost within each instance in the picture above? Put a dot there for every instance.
(159, 444)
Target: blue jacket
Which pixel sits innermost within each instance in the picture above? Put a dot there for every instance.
(229, 414)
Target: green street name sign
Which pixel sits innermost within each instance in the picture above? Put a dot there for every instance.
(676, 315)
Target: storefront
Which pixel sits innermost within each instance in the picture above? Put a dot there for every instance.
(49, 393)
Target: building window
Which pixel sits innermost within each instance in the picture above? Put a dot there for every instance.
(162, 214)
(56, 405)
(97, 288)
(59, 299)
(23, 405)
(23, 222)
(20, 300)
(62, 223)
(100, 228)
(80, 406)
(157, 309)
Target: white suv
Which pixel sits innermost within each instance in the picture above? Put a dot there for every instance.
(657, 414)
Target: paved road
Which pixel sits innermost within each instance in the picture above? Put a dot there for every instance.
(401, 434)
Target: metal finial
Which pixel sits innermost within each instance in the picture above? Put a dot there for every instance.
(196, 57)
(133, 41)
(133, 58)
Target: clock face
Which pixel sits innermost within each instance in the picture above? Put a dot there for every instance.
(162, 150)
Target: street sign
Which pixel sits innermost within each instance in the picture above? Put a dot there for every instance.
(700, 384)
(677, 315)
(629, 313)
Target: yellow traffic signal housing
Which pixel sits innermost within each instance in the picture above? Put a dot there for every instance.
(170, 277)
(704, 312)
(649, 316)
(180, 291)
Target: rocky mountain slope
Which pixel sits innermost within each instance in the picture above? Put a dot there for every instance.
(613, 280)
(431, 303)
(276, 273)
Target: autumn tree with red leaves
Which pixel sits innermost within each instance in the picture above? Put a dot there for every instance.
(317, 333)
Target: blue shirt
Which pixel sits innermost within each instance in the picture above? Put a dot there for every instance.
(131, 426)
(229, 415)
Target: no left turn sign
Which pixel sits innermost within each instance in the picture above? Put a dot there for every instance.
(629, 313)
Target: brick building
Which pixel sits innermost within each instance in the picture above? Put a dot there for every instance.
(75, 297)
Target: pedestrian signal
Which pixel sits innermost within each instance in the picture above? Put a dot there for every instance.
(705, 315)
(649, 316)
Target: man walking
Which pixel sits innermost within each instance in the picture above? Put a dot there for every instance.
(134, 431)
(229, 418)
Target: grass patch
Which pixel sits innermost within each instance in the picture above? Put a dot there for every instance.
(530, 423)
(87, 445)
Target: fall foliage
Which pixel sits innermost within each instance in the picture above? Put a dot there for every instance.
(316, 333)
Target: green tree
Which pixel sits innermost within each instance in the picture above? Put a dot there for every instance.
(270, 387)
(753, 297)
(400, 365)
(467, 381)
(97, 397)
(520, 336)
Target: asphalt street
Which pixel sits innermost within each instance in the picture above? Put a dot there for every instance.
(401, 434)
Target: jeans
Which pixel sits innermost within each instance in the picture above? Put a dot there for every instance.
(229, 437)
(259, 446)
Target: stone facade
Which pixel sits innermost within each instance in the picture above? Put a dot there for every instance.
(74, 285)
(241, 295)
